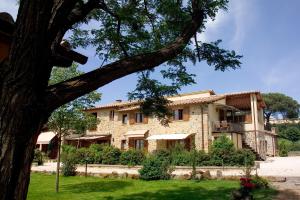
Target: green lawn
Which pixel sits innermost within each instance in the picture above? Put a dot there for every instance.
(92, 188)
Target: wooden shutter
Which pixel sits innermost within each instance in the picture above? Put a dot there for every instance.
(131, 118)
(186, 114)
(145, 119)
(145, 145)
(130, 143)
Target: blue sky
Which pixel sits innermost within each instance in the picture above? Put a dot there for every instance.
(265, 32)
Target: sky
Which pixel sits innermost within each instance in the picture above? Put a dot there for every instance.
(265, 32)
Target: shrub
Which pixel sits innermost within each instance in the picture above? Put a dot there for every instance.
(38, 157)
(292, 134)
(132, 157)
(163, 155)
(69, 160)
(181, 158)
(111, 155)
(155, 169)
(260, 183)
(97, 152)
(284, 147)
(243, 157)
(222, 150)
(202, 158)
(85, 156)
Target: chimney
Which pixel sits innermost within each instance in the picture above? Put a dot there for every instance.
(119, 100)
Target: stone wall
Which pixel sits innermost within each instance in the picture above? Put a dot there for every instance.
(192, 126)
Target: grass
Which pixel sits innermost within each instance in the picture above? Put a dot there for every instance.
(42, 186)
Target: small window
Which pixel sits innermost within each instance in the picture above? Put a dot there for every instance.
(111, 115)
(178, 114)
(125, 119)
(123, 144)
(139, 118)
(139, 144)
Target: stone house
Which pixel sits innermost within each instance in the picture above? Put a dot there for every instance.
(199, 118)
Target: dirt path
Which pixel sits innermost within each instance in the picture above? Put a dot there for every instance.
(289, 190)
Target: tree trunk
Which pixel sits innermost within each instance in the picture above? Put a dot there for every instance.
(19, 129)
(58, 163)
(23, 79)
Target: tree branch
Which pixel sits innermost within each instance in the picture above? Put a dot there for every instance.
(61, 93)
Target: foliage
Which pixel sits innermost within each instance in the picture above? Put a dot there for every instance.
(85, 156)
(163, 155)
(69, 160)
(202, 158)
(132, 157)
(70, 117)
(97, 152)
(130, 28)
(260, 182)
(38, 157)
(222, 150)
(284, 147)
(111, 155)
(243, 157)
(292, 134)
(277, 103)
(155, 169)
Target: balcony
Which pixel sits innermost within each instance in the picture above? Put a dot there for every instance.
(225, 126)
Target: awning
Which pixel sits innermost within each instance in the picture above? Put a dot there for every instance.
(95, 137)
(45, 137)
(175, 136)
(136, 133)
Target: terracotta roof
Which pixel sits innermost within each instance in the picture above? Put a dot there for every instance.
(182, 102)
(134, 105)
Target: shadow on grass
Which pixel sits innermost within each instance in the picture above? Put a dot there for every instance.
(195, 193)
(96, 186)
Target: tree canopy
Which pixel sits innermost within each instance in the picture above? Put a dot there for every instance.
(280, 104)
(126, 29)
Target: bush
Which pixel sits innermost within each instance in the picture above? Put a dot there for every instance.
(97, 152)
(284, 147)
(132, 157)
(243, 157)
(222, 151)
(292, 134)
(260, 183)
(202, 158)
(163, 155)
(69, 160)
(38, 157)
(181, 158)
(85, 156)
(155, 169)
(111, 155)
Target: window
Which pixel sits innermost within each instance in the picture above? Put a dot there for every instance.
(111, 115)
(178, 114)
(125, 119)
(139, 118)
(139, 144)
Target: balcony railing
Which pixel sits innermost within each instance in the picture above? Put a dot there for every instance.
(224, 126)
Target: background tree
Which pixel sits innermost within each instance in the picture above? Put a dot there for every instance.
(129, 36)
(70, 118)
(280, 104)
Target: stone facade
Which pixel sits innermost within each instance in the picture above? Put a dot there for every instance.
(200, 113)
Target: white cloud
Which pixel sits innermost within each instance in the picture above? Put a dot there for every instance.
(9, 6)
(243, 15)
